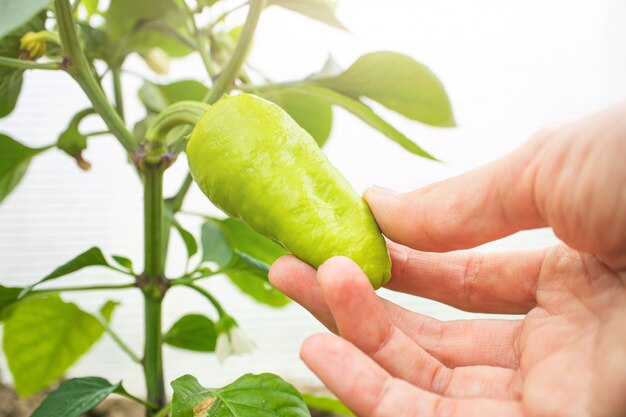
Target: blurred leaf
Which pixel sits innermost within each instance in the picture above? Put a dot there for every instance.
(188, 239)
(367, 115)
(125, 19)
(91, 257)
(107, 309)
(141, 127)
(312, 114)
(91, 6)
(399, 83)
(11, 78)
(156, 97)
(75, 397)
(245, 255)
(98, 44)
(326, 404)
(14, 161)
(43, 337)
(192, 332)
(215, 246)
(322, 10)
(14, 13)
(8, 297)
(265, 395)
(72, 142)
(124, 262)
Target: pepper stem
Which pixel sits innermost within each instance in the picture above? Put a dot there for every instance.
(180, 113)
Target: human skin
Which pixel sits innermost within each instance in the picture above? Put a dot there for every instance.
(566, 357)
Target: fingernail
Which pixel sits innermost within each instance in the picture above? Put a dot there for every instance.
(380, 191)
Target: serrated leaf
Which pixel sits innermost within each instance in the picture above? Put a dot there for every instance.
(367, 115)
(14, 13)
(321, 10)
(8, 297)
(14, 160)
(249, 396)
(11, 78)
(43, 337)
(192, 332)
(91, 257)
(399, 83)
(124, 17)
(326, 404)
(75, 397)
(124, 262)
(312, 114)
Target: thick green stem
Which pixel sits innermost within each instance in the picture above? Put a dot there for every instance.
(23, 64)
(154, 285)
(117, 91)
(77, 65)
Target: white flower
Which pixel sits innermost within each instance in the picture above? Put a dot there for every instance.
(232, 341)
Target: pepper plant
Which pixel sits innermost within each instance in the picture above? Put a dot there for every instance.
(43, 335)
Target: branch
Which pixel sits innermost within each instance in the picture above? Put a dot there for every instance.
(78, 67)
(23, 64)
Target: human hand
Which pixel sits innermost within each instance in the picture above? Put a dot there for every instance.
(566, 357)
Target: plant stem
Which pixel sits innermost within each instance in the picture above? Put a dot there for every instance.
(273, 86)
(78, 67)
(223, 16)
(231, 71)
(163, 412)
(89, 288)
(117, 91)
(176, 202)
(218, 307)
(23, 64)
(201, 45)
(146, 404)
(122, 345)
(155, 284)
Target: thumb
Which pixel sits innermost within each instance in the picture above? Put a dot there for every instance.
(482, 205)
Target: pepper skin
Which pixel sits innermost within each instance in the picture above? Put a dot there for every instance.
(257, 164)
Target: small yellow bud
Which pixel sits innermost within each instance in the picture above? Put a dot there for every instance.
(34, 43)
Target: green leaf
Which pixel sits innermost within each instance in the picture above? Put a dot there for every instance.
(367, 115)
(11, 78)
(215, 246)
(75, 397)
(14, 161)
(190, 241)
(124, 262)
(72, 142)
(399, 83)
(44, 337)
(312, 114)
(322, 10)
(107, 309)
(91, 257)
(14, 13)
(192, 332)
(91, 6)
(124, 18)
(8, 298)
(264, 395)
(156, 97)
(248, 259)
(98, 44)
(326, 404)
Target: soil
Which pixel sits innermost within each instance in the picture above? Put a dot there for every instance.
(12, 406)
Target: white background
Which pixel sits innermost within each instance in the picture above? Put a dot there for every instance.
(509, 67)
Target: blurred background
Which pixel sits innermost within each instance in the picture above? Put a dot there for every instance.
(510, 67)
